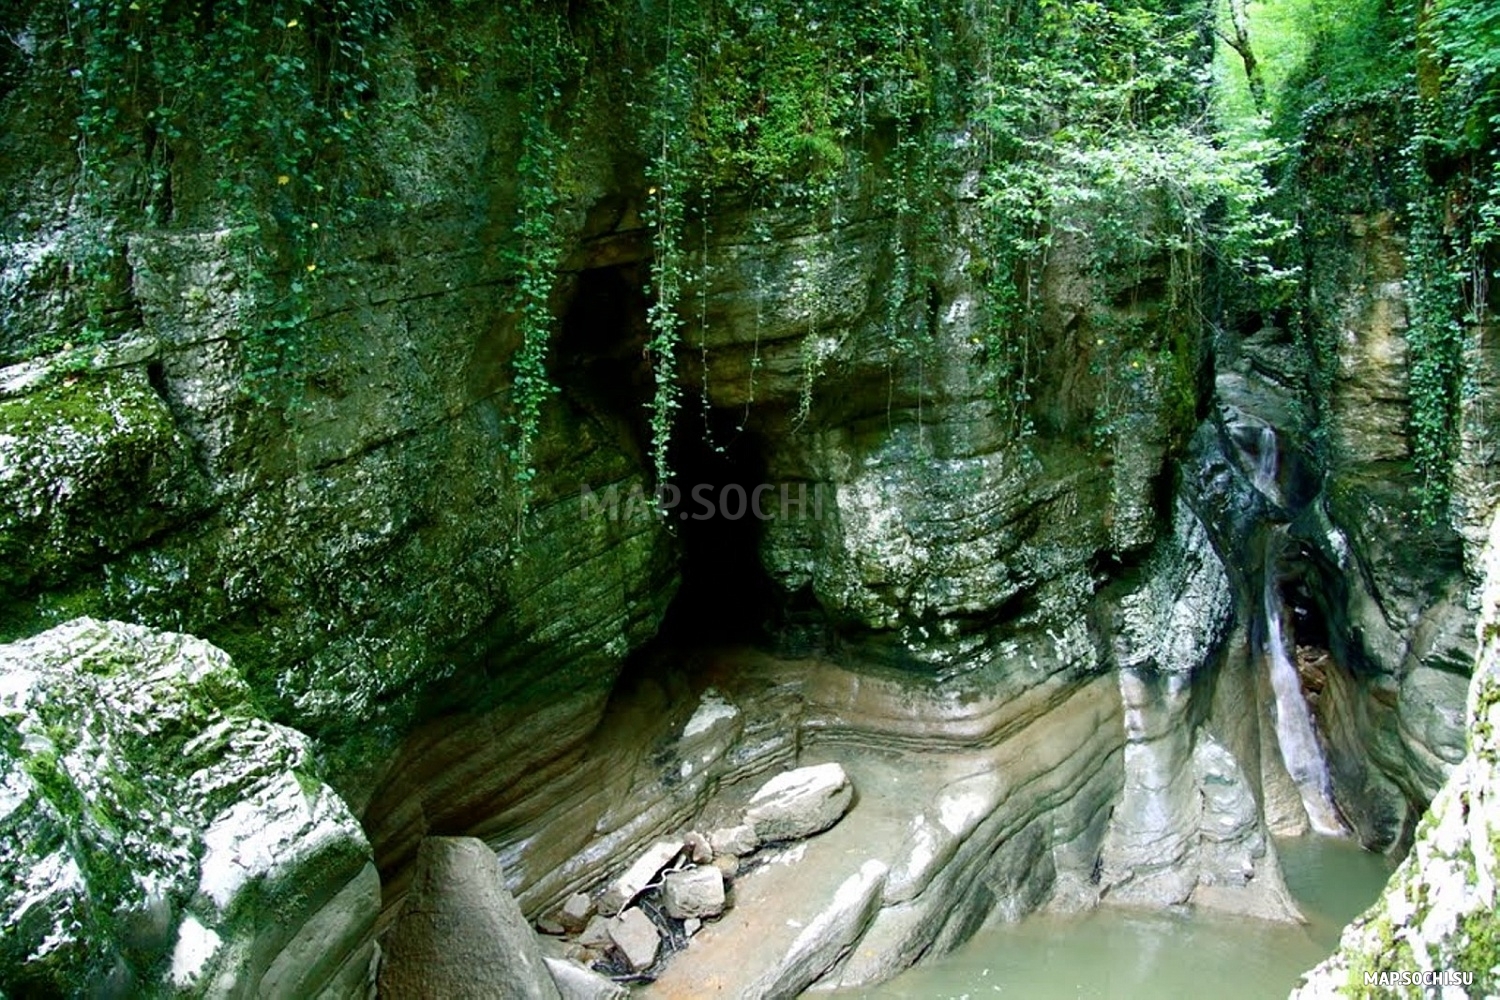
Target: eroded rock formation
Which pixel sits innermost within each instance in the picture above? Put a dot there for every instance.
(1049, 597)
(1434, 930)
(160, 836)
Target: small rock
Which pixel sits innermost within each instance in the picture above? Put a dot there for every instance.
(635, 935)
(696, 892)
(575, 912)
(575, 982)
(729, 865)
(691, 926)
(737, 841)
(624, 889)
(550, 925)
(702, 851)
(596, 933)
(800, 803)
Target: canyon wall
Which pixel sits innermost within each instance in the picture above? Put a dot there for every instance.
(477, 651)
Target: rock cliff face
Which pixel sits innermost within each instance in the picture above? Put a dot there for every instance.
(1436, 919)
(1053, 592)
(1389, 594)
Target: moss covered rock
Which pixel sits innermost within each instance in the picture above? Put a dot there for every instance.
(149, 819)
(89, 468)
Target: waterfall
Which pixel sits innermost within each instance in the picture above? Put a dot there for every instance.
(1300, 750)
(1263, 476)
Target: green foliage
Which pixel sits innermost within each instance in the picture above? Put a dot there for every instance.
(269, 92)
(1435, 335)
(542, 53)
(1311, 52)
(670, 174)
(1393, 109)
(1097, 137)
(1085, 120)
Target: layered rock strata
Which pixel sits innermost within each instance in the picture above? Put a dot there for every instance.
(1434, 931)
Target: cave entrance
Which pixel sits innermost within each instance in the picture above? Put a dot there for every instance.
(600, 362)
(726, 597)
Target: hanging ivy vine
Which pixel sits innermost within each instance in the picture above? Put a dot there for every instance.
(541, 52)
(268, 95)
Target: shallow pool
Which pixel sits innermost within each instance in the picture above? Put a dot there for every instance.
(1111, 953)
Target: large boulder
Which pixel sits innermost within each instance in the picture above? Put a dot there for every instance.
(800, 803)
(156, 835)
(461, 934)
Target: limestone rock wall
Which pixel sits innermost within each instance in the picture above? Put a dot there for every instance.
(1391, 595)
(361, 547)
(362, 538)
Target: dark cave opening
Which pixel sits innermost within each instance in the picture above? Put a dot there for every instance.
(725, 597)
(599, 361)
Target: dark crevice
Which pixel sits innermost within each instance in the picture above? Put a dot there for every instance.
(600, 362)
(157, 378)
(726, 596)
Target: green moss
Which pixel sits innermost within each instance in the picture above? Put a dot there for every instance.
(1479, 951)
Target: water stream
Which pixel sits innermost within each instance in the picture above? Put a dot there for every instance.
(1113, 954)
(1263, 473)
(1300, 750)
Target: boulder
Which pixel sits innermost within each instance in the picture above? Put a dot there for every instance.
(150, 819)
(736, 841)
(696, 892)
(800, 803)
(574, 982)
(622, 892)
(636, 937)
(461, 933)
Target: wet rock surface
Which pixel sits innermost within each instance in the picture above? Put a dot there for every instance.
(1438, 915)
(1011, 589)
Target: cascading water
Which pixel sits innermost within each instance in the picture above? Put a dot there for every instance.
(1300, 750)
(1263, 476)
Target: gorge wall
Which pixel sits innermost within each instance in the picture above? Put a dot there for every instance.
(1045, 555)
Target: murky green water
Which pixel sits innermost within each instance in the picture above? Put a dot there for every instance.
(1122, 954)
